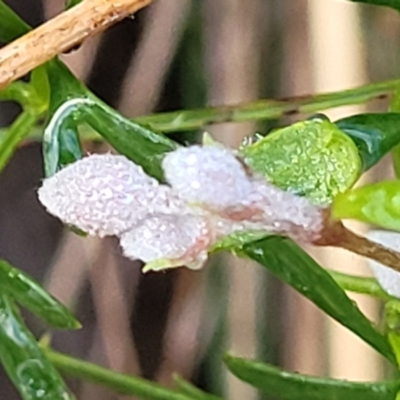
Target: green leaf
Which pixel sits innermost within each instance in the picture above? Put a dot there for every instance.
(377, 204)
(387, 3)
(290, 263)
(311, 158)
(121, 383)
(374, 134)
(28, 293)
(192, 391)
(15, 133)
(11, 25)
(32, 374)
(291, 386)
(71, 104)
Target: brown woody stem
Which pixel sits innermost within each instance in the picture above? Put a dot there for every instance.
(337, 235)
(62, 33)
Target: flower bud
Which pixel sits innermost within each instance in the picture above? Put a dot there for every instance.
(210, 176)
(104, 195)
(166, 241)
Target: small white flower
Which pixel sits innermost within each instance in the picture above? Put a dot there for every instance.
(387, 277)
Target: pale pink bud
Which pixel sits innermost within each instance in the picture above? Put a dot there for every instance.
(210, 175)
(104, 195)
(166, 241)
(387, 277)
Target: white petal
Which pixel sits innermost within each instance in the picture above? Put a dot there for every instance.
(103, 194)
(387, 277)
(210, 175)
(181, 240)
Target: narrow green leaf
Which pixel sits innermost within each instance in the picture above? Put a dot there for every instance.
(11, 25)
(374, 134)
(311, 158)
(192, 391)
(72, 103)
(122, 383)
(290, 263)
(291, 386)
(378, 204)
(28, 368)
(28, 293)
(387, 3)
(15, 133)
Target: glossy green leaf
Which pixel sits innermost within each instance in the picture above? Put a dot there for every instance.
(32, 374)
(378, 204)
(71, 104)
(28, 293)
(291, 386)
(387, 3)
(192, 391)
(374, 134)
(11, 25)
(290, 263)
(310, 158)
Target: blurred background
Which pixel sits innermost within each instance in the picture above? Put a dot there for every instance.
(181, 54)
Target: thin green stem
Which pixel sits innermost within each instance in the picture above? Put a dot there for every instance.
(15, 133)
(121, 383)
(360, 284)
(260, 110)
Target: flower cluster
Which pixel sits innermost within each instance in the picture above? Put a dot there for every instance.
(209, 194)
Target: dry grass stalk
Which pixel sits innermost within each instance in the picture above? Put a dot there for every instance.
(61, 34)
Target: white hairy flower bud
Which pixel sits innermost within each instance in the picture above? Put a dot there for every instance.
(104, 195)
(166, 241)
(210, 176)
(387, 277)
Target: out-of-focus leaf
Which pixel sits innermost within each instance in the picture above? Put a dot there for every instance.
(32, 374)
(291, 386)
(71, 104)
(15, 133)
(192, 391)
(40, 83)
(311, 158)
(378, 204)
(11, 25)
(374, 134)
(290, 263)
(27, 292)
(122, 383)
(387, 3)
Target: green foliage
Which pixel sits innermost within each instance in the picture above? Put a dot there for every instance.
(314, 158)
(374, 134)
(310, 158)
(290, 263)
(377, 204)
(290, 386)
(31, 372)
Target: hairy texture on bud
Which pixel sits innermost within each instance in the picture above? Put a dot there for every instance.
(387, 277)
(210, 175)
(179, 240)
(104, 195)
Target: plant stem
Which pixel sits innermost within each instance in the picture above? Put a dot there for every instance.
(122, 383)
(260, 110)
(360, 284)
(61, 34)
(15, 133)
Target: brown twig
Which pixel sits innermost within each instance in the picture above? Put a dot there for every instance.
(337, 235)
(62, 33)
